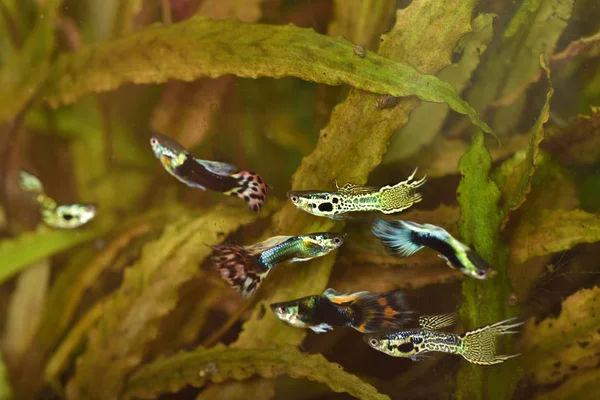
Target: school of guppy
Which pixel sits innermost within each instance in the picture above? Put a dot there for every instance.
(385, 319)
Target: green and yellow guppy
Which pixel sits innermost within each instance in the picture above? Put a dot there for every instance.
(245, 267)
(67, 216)
(477, 346)
(213, 175)
(388, 199)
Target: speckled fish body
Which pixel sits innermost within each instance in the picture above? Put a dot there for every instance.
(213, 175)
(352, 198)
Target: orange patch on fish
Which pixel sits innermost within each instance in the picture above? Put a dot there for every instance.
(382, 301)
(389, 312)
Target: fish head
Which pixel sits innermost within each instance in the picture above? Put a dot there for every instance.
(71, 216)
(477, 267)
(165, 148)
(399, 344)
(321, 204)
(290, 312)
(322, 243)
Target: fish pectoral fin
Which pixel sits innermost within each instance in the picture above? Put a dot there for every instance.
(322, 328)
(435, 322)
(447, 261)
(217, 167)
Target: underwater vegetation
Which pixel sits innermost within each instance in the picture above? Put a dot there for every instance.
(165, 163)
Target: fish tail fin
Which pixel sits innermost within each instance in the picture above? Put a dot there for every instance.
(380, 312)
(402, 195)
(251, 188)
(397, 237)
(480, 344)
(239, 267)
(30, 183)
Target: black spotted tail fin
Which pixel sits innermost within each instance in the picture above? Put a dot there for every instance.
(480, 345)
(239, 267)
(381, 312)
(251, 188)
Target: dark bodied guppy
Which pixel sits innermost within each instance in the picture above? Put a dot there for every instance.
(67, 216)
(362, 311)
(213, 175)
(404, 238)
(388, 199)
(245, 267)
(477, 346)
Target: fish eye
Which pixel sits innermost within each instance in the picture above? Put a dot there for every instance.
(374, 342)
(337, 240)
(294, 199)
(153, 141)
(481, 273)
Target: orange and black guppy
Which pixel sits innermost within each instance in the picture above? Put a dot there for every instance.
(212, 175)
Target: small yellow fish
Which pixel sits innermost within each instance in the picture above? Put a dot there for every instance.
(349, 198)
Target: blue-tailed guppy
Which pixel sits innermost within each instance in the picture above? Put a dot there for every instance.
(67, 216)
(245, 267)
(213, 175)
(404, 238)
(388, 199)
(363, 311)
(477, 346)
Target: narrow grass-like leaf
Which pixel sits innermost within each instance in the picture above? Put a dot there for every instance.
(557, 347)
(149, 291)
(219, 364)
(200, 47)
(484, 302)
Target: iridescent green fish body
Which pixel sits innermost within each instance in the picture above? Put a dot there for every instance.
(245, 267)
(68, 216)
(350, 198)
(213, 175)
(477, 346)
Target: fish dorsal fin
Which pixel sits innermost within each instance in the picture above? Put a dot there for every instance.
(217, 167)
(435, 322)
(267, 244)
(350, 188)
(341, 298)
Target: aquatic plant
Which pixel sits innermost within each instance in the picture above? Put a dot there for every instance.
(496, 102)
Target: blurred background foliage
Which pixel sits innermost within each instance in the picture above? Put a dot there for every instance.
(129, 306)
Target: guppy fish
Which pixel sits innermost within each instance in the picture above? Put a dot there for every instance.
(362, 311)
(213, 175)
(245, 267)
(68, 216)
(477, 346)
(349, 198)
(404, 238)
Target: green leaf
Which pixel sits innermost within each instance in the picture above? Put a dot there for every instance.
(534, 30)
(557, 347)
(349, 148)
(150, 290)
(515, 175)
(582, 386)
(484, 302)
(23, 73)
(427, 120)
(201, 47)
(553, 231)
(5, 389)
(31, 247)
(218, 364)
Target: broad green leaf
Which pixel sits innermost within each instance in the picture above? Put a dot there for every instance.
(581, 386)
(515, 175)
(484, 302)
(557, 347)
(150, 290)
(349, 148)
(5, 389)
(535, 30)
(553, 231)
(44, 242)
(200, 47)
(218, 364)
(23, 73)
(427, 120)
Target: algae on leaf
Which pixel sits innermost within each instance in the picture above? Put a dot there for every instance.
(484, 302)
(200, 47)
(220, 363)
